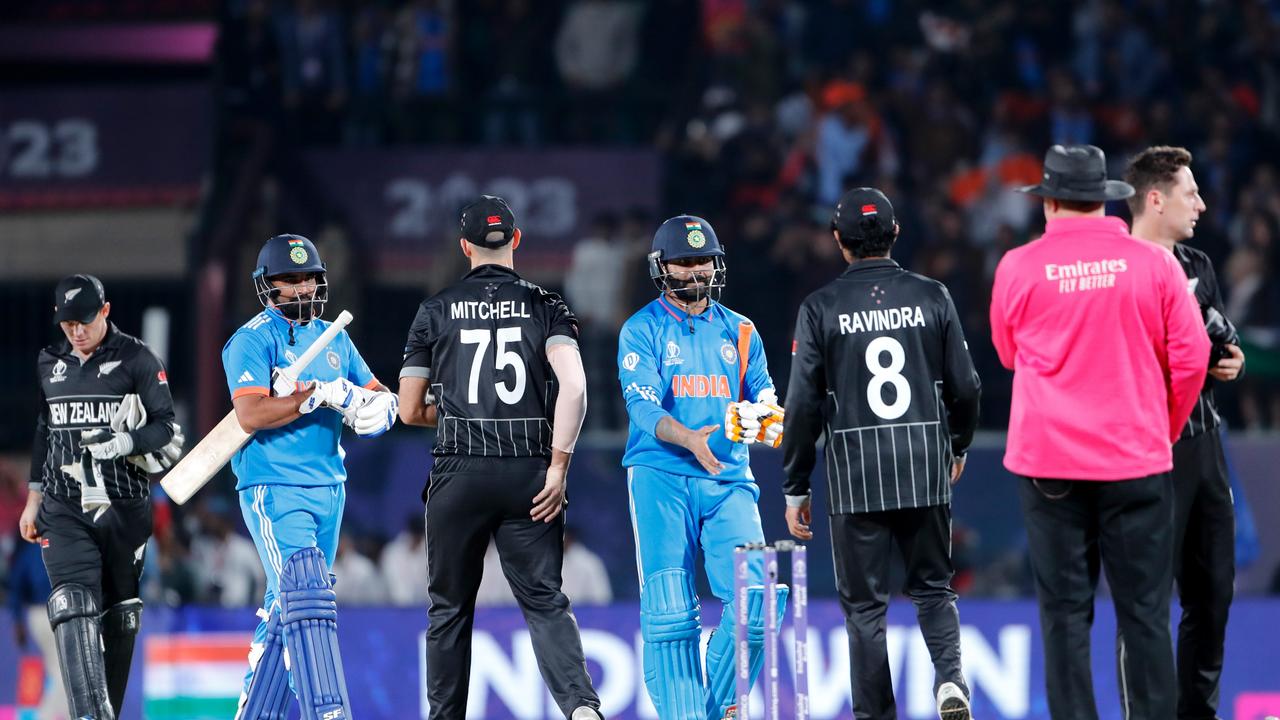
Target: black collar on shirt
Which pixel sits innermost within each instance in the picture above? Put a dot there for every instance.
(490, 272)
(870, 264)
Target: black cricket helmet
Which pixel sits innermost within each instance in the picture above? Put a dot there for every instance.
(289, 255)
(687, 237)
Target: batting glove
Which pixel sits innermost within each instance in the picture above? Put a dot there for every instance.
(742, 423)
(377, 414)
(337, 394)
(106, 445)
(772, 418)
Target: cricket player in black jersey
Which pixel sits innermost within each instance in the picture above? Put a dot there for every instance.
(105, 424)
(1166, 205)
(881, 370)
(492, 363)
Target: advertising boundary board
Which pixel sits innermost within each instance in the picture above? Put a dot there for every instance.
(191, 660)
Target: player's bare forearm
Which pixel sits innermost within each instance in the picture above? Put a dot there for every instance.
(695, 441)
(260, 412)
(560, 459)
(671, 430)
(414, 407)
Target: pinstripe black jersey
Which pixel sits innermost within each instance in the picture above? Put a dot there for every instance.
(84, 396)
(881, 370)
(1204, 285)
(482, 344)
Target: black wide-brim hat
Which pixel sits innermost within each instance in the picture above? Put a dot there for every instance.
(1078, 172)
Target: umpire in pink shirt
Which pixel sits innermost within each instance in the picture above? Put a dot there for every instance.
(1109, 354)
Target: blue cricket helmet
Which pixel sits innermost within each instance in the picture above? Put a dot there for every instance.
(685, 237)
(285, 255)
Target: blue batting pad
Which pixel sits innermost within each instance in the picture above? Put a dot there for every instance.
(267, 695)
(309, 613)
(720, 666)
(671, 626)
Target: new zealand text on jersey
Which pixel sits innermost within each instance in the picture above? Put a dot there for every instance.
(80, 412)
(476, 310)
(876, 320)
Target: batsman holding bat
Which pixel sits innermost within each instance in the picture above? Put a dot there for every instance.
(106, 423)
(688, 367)
(290, 477)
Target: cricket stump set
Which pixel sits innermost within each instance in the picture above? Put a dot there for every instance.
(798, 556)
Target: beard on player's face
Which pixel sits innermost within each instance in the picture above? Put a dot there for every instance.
(299, 297)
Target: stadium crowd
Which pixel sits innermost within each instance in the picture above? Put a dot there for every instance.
(763, 111)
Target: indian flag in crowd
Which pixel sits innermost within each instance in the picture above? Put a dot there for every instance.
(194, 676)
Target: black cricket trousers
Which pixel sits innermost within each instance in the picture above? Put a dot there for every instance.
(862, 544)
(463, 511)
(1125, 527)
(1204, 567)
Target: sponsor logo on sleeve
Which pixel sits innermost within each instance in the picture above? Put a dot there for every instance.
(162, 378)
(630, 361)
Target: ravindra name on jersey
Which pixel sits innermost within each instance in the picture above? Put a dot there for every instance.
(306, 452)
(687, 367)
(882, 370)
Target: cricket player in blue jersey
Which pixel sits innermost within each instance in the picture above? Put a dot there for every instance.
(291, 478)
(688, 366)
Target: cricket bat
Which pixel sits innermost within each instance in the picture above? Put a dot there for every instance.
(215, 450)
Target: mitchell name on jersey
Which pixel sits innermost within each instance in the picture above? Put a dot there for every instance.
(478, 310)
(880, 320)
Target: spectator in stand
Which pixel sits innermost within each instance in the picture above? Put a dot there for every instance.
(422, 76)
(404, 565)
(359, 582)
(249, 61)
(228, 571)
(596, 50)
(504, 48)
(168, 577)
(586, 581)
(851, 141)
(372, 45)
(313, 70)
(592, 286)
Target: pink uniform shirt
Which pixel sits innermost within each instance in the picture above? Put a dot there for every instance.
(1107, 347)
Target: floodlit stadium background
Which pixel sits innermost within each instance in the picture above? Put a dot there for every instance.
(157, 143)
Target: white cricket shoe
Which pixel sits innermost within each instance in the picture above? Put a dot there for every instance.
(952, 704)
(586, 713)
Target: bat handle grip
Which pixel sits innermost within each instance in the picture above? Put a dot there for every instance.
(284, 383)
